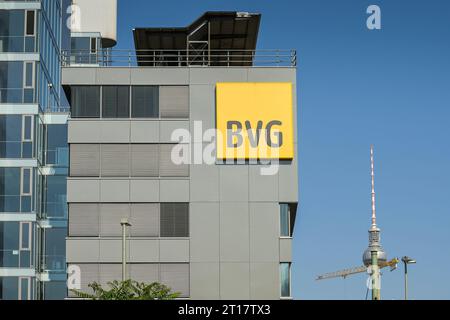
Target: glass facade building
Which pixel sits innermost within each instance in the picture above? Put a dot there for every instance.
(33, 150)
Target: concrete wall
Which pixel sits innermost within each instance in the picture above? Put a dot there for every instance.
(234, 249)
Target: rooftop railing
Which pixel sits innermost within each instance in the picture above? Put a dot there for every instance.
(180, 58)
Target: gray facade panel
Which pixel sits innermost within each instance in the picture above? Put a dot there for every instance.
(288, 182)
(235, 281)
(144, 190)
(205, 281)
(202, 103)
(174, 191)
(173, 250)
(113, 76)
(234, 232)
(204, 183)
(272, 75)
(205, 232)
(115, 131)
(84, 131)
(144, 250)
(79, 190)
(262, 188)
(111, 250)
(230, 190)
(169, 128)
(285, 250)
(145, 131)
(264, 281)
(159, 76)
(114, 190)
(264, 232)
(79, 76)
(215, 75)
(83, 250)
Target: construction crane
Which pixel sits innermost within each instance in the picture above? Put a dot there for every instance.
(348, 272)
(374, 256)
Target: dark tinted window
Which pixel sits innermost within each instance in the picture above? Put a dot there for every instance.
(174, 220)
(30, 23)
(116, 102)
(85, 102)
(145, 102)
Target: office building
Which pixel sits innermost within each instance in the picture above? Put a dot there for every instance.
(33, 151)
(220, 230)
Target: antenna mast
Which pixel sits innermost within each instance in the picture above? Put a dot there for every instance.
(372, 173)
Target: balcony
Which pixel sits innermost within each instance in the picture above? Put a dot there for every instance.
(180, 58)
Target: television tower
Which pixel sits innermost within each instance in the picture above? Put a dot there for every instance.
(374, 256)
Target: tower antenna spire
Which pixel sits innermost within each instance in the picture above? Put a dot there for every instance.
(372, 173)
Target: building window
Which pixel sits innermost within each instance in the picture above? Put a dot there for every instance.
(57, 149)
(24, 288)
(30, 23)
(285, 220)
(11, 81)
(145, 102)
(285, 280)
(149, 220)
(174, 220)
(11, 136)
(10, 189)
(15, 244)
(116, 102)
(55, 193)
(124, 160)
(85, 101)
(174, 102)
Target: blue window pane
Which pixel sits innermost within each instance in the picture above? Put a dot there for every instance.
(10, 150)
(285, 280)
(27, 151)
(9, 244)
(28, 95)
(10, 289)
(11, 74)
(284, 221)
(25, 288)
(25, 259)
(26, 204)
(9, 181)
(10, 128)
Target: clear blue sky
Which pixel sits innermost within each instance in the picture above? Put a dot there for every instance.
(357, 87)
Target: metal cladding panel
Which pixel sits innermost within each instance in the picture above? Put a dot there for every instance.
(115, 160)
(144, 160)
(174, 101)
(110, 273)
(84, 160)
(144, 220)
(90, 274)
(147, 273)
(83, 220)
(97, 16)
(110, 217)
(166, 166)
(176, 276)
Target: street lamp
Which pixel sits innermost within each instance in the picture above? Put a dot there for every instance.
(124, 223)
(407, 260)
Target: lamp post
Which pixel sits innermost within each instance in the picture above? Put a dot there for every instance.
(407, 260)
(124, 223)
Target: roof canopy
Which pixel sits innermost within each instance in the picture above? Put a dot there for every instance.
(211, 34)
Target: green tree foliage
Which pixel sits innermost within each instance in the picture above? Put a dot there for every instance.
(128, 290)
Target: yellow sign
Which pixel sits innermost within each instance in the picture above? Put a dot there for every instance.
(254, 121)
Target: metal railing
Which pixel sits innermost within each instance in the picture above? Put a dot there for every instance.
(180, 58)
